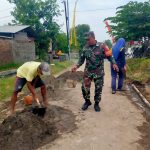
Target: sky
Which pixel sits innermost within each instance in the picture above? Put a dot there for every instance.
(91, 12)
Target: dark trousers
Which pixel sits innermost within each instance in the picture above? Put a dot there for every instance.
(114, 75)
(20, 82)
(86, 84)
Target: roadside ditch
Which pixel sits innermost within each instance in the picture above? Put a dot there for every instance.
(140, 96)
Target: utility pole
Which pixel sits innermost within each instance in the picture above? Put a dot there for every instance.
(66, 6)
(68, 30)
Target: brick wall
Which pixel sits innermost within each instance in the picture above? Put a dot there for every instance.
(23, 51)
(23, 48)
(19, 49)
(6, 55)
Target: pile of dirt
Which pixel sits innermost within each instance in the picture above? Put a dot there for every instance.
(77, 76)
(64, 119)
(55, 83)
(26, 131)
(55, 86)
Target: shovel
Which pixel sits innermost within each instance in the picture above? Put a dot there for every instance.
(39, 110)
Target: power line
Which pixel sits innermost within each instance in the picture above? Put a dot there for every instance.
(76, 11)
(95, 10)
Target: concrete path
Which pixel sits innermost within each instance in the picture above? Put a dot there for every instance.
(114, 128)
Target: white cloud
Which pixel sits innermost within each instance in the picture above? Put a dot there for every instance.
(5, 8)
(103, 9)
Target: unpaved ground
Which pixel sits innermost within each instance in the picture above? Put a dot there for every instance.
(26, 131)
(145, 130)
(119, 126)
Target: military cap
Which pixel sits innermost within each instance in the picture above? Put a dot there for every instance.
(89, 34)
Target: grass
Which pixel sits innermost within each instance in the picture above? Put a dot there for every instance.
(7, 83)
(6, 87)
(9, 66)
(138, 69)
(59, 66)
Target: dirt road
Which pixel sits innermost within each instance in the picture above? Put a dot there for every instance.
(114, 128)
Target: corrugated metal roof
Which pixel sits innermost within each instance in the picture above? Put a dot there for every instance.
(12, 29)
(5, 37)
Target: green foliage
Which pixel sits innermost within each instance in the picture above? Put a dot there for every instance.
(61, 42)
(6, 87)
(132, 21)
(9, 66)
(80, 31)
(108, 43)
(60, 66)
(138, 69)
(40, 16)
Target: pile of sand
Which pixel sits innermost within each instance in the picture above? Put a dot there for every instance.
(25, 131)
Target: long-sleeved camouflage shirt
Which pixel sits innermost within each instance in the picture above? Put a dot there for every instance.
(94, 56)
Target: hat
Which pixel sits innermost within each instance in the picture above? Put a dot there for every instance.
(45, 68)
(89, 34)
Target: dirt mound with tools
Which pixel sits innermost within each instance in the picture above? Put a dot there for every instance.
(26, 131)
(55, 86)
(77, 76)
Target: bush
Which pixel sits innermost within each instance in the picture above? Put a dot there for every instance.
(138, 69)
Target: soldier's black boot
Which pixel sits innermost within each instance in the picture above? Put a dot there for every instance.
(86, 104)
(97, 107)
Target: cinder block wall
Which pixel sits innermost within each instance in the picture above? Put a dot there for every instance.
(19, 49)
(6, 55)
(23, 51)
(23, 48)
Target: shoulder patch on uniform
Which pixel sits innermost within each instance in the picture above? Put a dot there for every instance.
(121, 49)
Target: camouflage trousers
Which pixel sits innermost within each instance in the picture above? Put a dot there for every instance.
(86, 85)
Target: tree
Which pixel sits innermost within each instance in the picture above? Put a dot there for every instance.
(39, 14)
(61, 41)
(80, 31)
(132, 21)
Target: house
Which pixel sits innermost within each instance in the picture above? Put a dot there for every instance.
(16, 44)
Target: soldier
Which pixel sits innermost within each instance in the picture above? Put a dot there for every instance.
(94, 53)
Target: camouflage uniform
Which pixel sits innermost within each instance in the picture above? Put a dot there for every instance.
(94, 69)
